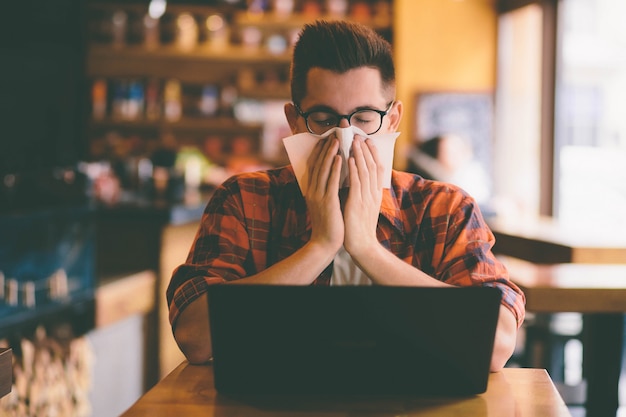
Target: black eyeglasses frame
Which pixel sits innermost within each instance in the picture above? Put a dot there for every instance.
(306, 115)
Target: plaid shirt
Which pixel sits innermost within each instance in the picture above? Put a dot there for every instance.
(256, 219)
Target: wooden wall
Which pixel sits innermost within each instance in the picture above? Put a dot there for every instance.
(441, 45)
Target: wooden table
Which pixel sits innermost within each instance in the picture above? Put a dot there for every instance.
(547, 241)
(597, 291)
(582, 288)
(189, 391)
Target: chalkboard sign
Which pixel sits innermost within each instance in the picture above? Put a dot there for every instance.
(468, 114)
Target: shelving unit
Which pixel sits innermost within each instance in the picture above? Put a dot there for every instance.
(246, 68)
(258, 73)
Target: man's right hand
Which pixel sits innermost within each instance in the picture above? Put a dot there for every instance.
(322, 196)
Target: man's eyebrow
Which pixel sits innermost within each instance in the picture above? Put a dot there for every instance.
(321, 107)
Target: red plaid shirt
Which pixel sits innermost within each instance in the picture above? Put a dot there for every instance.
(256, 219)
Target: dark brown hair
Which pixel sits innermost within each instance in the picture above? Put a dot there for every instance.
(339, 46)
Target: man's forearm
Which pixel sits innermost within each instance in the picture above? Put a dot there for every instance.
(385, 268)
(301, 268)
(505, 340)
(192, 331)
(192, 326)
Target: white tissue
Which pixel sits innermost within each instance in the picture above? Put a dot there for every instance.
(300, 146)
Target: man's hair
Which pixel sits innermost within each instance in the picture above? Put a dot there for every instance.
(339, 46)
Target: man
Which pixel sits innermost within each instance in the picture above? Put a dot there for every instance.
(259, 228)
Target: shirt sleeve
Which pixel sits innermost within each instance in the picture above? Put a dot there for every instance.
(463, 254)
(218, 253)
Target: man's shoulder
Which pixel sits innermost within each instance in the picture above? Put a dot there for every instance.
(409, 182)
(274, 176)
(413, 190)
(260, 184)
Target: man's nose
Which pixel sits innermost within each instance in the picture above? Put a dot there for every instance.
(344, 122)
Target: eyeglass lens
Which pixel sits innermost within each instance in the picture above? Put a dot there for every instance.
(368, 121)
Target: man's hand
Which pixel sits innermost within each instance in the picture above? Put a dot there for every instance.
(322, 196)
(364, 198)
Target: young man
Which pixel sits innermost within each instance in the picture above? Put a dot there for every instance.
(259, 227)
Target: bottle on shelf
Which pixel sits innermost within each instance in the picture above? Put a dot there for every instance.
(151, 34)
(118, 102)
(172, 100)
(99, 99)
(209, 101)
(119, 28)
(153, 101)
(135, 101)
(228, 97)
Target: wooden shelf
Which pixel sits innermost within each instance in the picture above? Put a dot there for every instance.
(199, 65)
(280, 92)
(270, 21)
(214, 125)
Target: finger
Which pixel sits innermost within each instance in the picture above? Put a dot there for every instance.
(327, 168)
(320, 161)
(335, 175)
(361, 164)
(355, 181)
(311, 162)
(374, 163)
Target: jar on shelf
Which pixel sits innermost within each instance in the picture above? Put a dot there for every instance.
(337, 8)
(361, 12)
(251, 37)
(283, 8)
(186, 31)
(217, 31)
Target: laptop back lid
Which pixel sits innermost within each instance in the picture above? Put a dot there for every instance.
(352, 340)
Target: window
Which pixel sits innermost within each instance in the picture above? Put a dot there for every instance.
(590, 118)
(560, 142)
(518, 112)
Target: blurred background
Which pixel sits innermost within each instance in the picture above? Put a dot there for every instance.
(119, 118)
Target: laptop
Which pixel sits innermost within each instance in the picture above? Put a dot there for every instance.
(352, 340)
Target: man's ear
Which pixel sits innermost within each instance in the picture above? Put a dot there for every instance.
(292, 117)
(395, 115)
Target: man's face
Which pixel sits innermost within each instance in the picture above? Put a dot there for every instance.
(344, 94)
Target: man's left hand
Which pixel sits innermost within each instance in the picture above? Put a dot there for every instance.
(364, 198)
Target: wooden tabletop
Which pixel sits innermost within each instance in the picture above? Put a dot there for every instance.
(583, 288)
(598, 291)
(546, 240)
(189, 391)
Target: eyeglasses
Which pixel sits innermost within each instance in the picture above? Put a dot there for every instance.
(368, 120)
